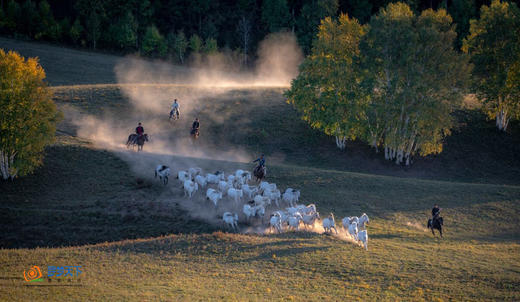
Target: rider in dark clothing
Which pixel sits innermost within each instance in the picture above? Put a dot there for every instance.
(195, 127)
(260, 160)
(435, 211)
(196, 124)
(261, 164)
(139, 130)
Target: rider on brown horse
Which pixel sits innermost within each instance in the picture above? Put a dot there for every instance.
(139, 131)
(195, 127)
(261, 163)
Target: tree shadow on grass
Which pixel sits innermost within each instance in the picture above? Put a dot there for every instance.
(85, 196)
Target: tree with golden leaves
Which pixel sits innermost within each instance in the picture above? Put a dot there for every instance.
(28, 115)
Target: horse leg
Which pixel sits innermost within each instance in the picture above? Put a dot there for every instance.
(433, 231)
(440, 230)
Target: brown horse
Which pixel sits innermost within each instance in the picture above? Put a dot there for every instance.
(134, 139)
(260, 173)
(194, 133)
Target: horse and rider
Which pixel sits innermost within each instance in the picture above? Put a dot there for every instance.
(175, 111)
(138, 138)
(436, 221)
(195, 128)
(260, 171)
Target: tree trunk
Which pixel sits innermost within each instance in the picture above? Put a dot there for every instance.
(6, 165)
(502, 120)
(341, 142)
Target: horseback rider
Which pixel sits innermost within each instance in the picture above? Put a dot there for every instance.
(175, 109)
(261, 163)
(435, 212)
(139, 130)
(196, 125)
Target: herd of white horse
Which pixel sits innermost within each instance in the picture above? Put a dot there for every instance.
(256, 199)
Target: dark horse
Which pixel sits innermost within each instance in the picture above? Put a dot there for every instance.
(134, 139)
(194, 133)
(435, 223)
(259, 172)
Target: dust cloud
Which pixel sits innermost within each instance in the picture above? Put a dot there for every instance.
(150, 88)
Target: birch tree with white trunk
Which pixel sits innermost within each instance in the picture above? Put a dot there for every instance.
(494, 47)
(28, 115)
(326, 92)
(418, 79)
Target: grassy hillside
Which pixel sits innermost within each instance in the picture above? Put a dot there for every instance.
(477, 259)
(103, 210)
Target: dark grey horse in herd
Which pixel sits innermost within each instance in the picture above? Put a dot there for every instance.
(134, 139)
(435, 223)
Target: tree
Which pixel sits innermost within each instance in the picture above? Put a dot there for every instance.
(326, 91)
(275, 15)
(311, 14)
(210, 46)
(29, 117)
(195, 44)
(494, 47)
(93, 13)
(392, 84)
(3, 19)
(143, 12)
(417, 79)
(178, 44)
(244, 31)
(462, 11)
(64, 26)
(153, 43)
(12, 15)
(29, 18)
(47, 28)
(75, 31)
(123, 33)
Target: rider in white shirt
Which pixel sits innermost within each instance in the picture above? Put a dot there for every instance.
(175, 109)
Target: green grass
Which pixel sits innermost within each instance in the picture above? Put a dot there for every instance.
(90, 207)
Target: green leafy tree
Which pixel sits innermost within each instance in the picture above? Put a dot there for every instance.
(47, 28)
(494, 47)
(360, 9)
(392, 84)
(29, 18)
(210, 46)
(154, 44)
(75, 31)
(417, 80)
(143, 12)
(123, 33)
(29, 117)
(462, 11)
(195, 44)
(275, 15)
(311, 14)
(93, 14)
(12, 16)
(64, 26)
(3, 19)
(326, 91)
(178, 45)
